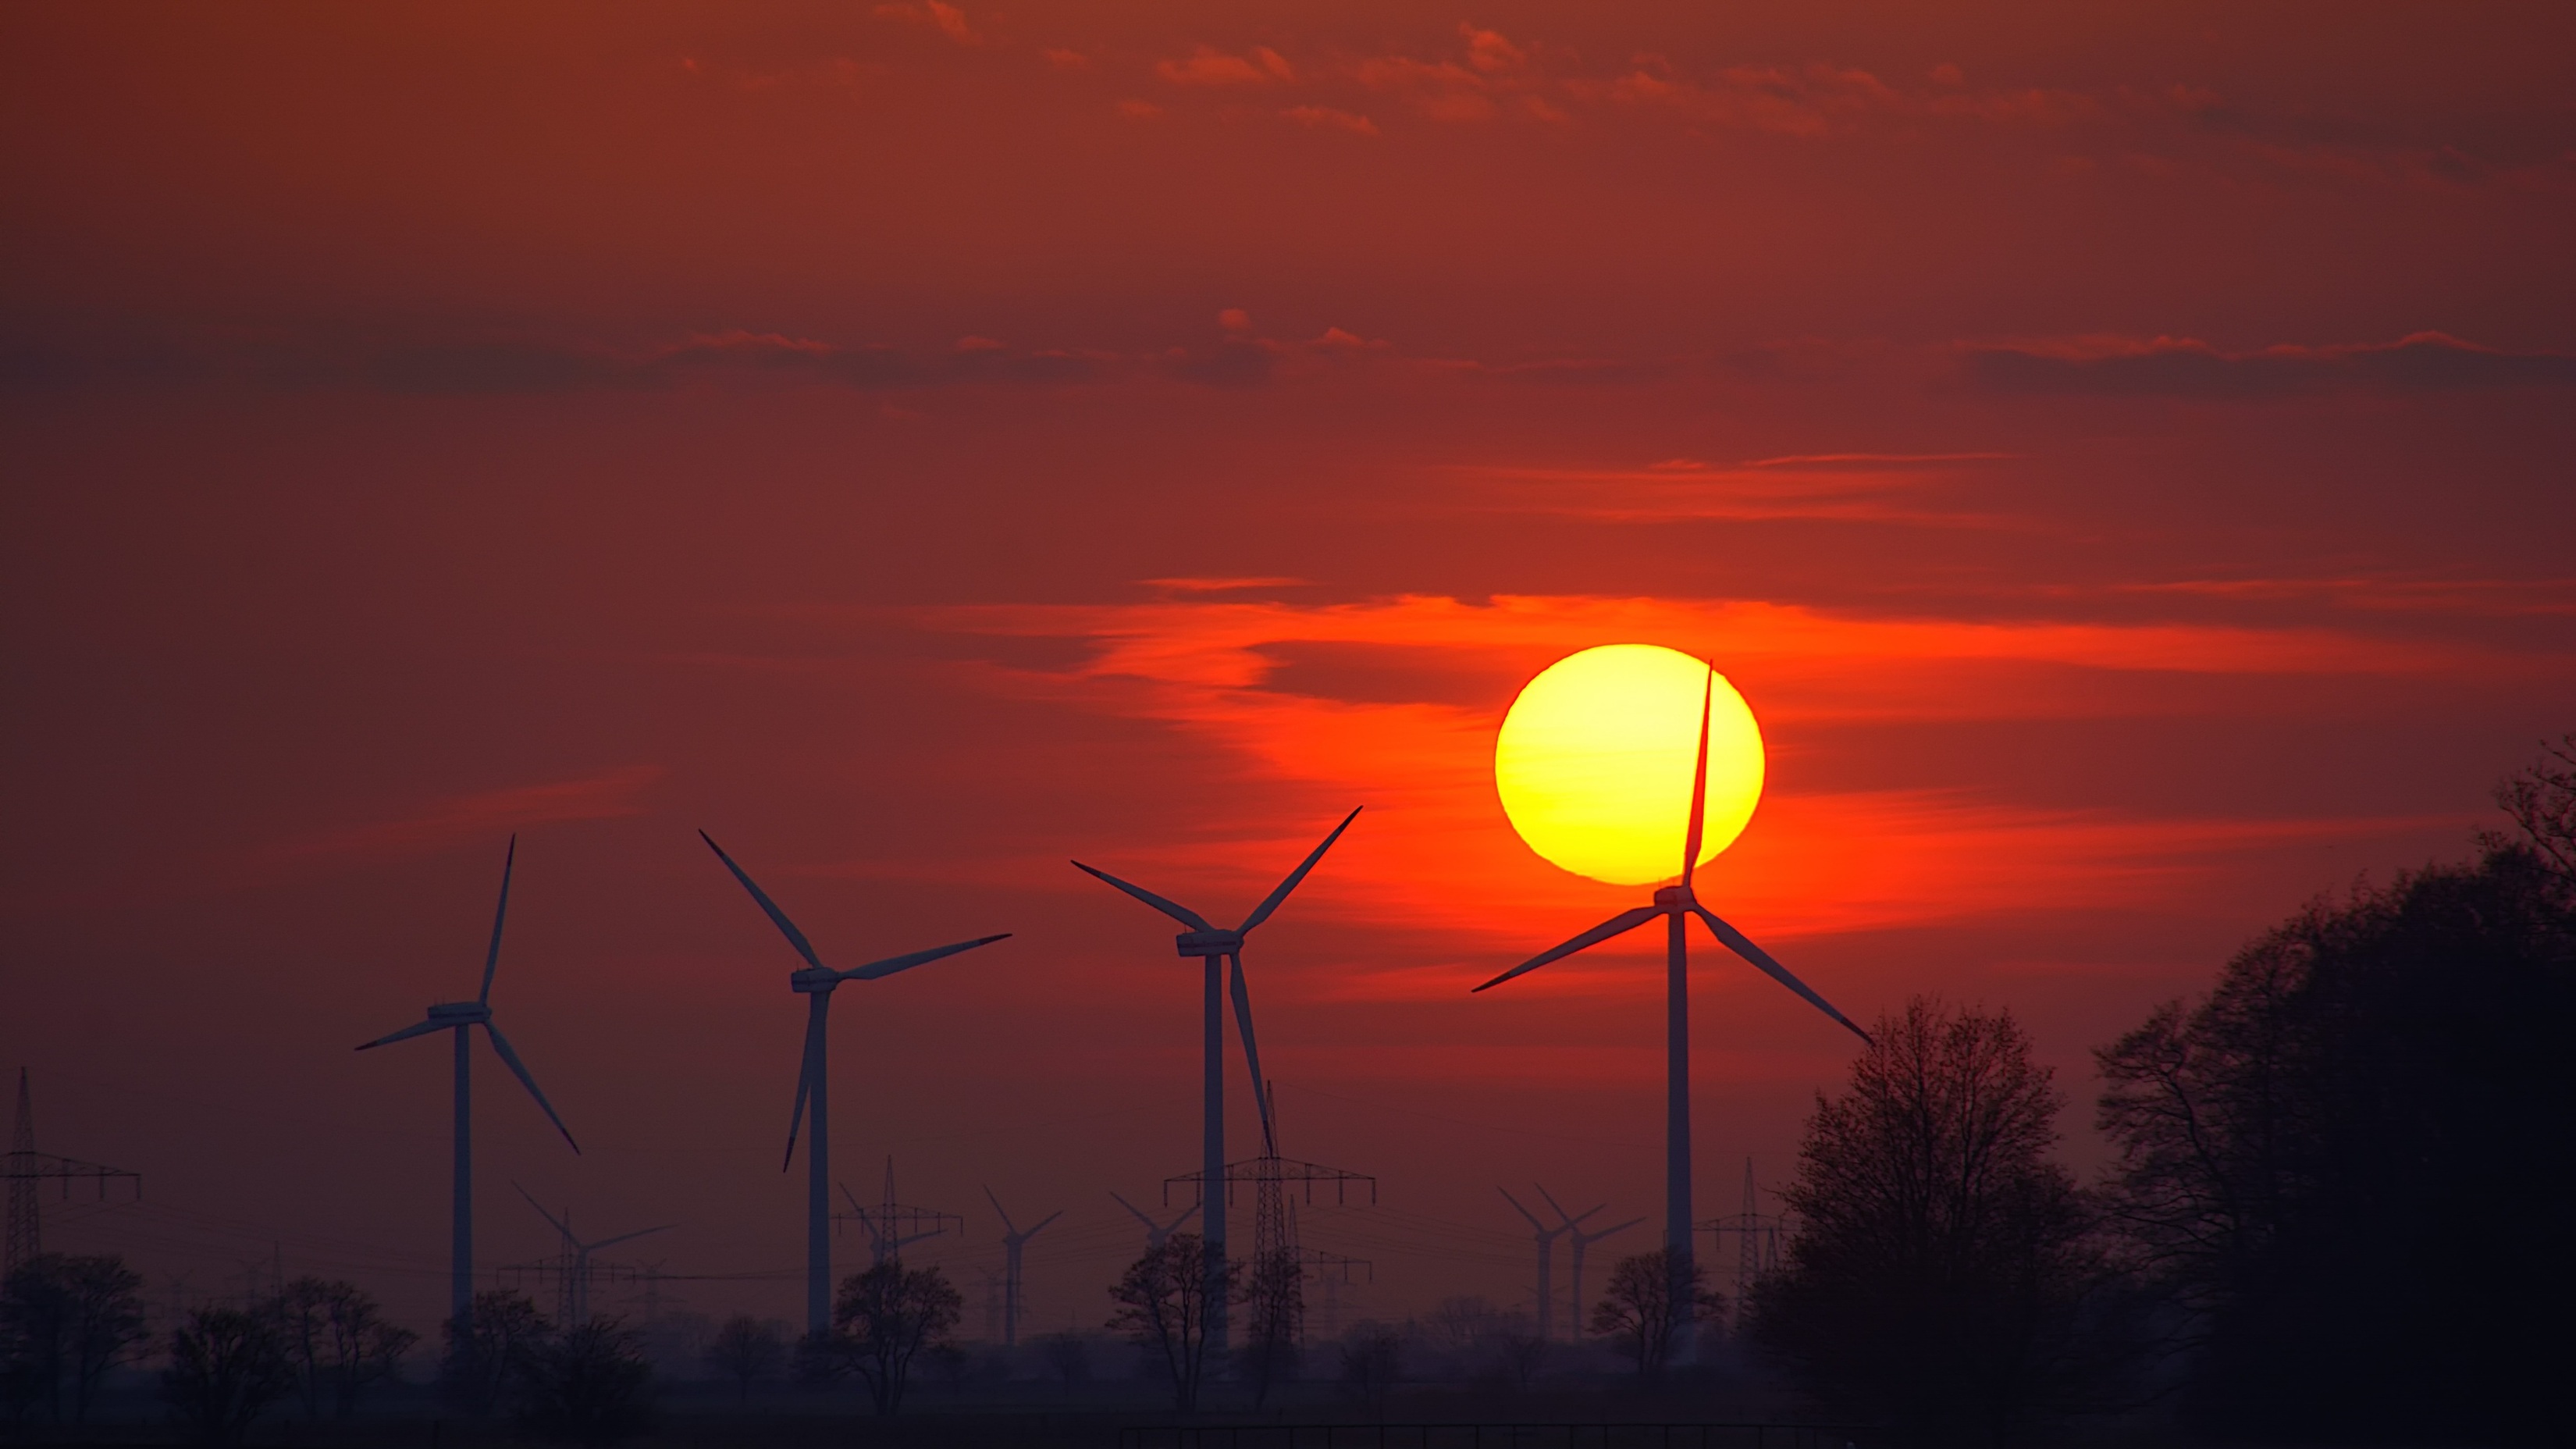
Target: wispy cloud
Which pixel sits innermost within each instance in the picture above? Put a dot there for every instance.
(481, 814)
(2184, 367)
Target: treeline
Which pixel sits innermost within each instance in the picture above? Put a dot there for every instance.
(2339, 1206)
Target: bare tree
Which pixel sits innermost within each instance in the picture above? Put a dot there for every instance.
(65, 1321)
(486, 1345)
(589, 1386)
(339, 1341)
(2542, 800)
(1372, 1362)
(226, 1368)
(1163, 1305)
(746, 1350)
(1068, 1355)
(1650, 1300)
(889, 1314)
(1275, 1295)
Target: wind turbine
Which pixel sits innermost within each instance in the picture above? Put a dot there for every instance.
(576, 1294)
(817, 982)
(461, 1017)
(1578, 1240)
(1677, 905)
(1012, 1241)
(1212, 944)
(1545, 1237)
(1157, 1233)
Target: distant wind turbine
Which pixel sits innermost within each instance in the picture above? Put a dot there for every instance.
(461, 1017)
(1677, 905)
(1012, 1241)
(813, 1104)
(1578, 1240)
(1545, 1237)
(1213, 944)
(576, 1295)
(1157, 1233)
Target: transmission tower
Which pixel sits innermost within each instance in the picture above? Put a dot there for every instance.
(25, 1167)
(891, 1226)
(1757, 1239)
(1278, 1310)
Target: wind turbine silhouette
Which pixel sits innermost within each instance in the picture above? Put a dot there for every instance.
(1545, 1237)
(813, 1105)
(1213, 944)
(1012, 1241)
(461, 1017)
(1676, 904)
(1578, 1240)
(1157, 1233)
(576, 1295)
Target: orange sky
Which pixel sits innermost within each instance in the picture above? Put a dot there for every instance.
(2119, 453)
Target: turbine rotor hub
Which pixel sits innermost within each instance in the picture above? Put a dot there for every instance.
(811, 980)
(1676, 897)
(1209, 943)
(459, 1013)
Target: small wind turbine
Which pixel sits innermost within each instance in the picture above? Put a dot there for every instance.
(817, 981)
(461, 1017)
(1677, 905)
(1545, 1237)
(1012, 1241)
(1157, 1233)
(1213, 944)
(576, 1298)
(1578, 1240)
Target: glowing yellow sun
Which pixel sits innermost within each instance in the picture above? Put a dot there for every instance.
(1594, 762)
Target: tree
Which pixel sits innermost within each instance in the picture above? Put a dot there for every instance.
(1650, 1300)
(888, 1314)
(1372, 1362)
(226, 1368)
(65, 1321)
(486, 1346)
(339, 1341)
(589, 1386)
(746, 1351)
(1275, 1295)
(1943, 1272)
(1163, 1306)
(2542, 800)
(1068, 1355)
(2346, 1168)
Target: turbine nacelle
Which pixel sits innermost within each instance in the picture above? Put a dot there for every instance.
(1209, 942)
(811, 979)
(459, 1013)
(1676, 897)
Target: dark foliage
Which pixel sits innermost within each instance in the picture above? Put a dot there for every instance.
(226, 1368)
(1372, 1363)
(590, 1386)
(1274, 1320)
(64, 1322)
(886, 1316)
(339, 1341)
(746, 1351)
(1163, 1305)
(1651, 1300)
(1943, 1273)
(486, 1347)
(2349, 1167)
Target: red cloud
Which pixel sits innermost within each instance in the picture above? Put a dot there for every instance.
(1209, 66)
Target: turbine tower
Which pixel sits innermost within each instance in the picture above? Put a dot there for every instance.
(817, 982)
(1579, 1240)
(1545, 1237)
(574, 1304)
(1157, 1233)
(1012, 1241)
(461, 1017)
(1677, 905)
(1212, 945)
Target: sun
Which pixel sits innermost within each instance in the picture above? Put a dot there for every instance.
(1595, 757)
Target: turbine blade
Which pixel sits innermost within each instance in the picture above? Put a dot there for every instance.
(560, 1225)
(1550, 1199)
(417, 1029)
(1699, 781)
(852, 1199)
(1251, 1050)
(1605, 1232)
(627, 1237)
(1007, 1229)
(519, 1069)
(1042, 1222)
(795, 937)
(1180, 913)
(492, 958)
(1617, 925)
(893, 964)
(804, 1081)
(1735, 941)
(1139, 1212)
(1261, 912)
(1185, 1215)
(1535, 1224)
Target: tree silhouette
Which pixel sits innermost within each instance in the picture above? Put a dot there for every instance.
(1942, 1270)
(64, 1322)
(889, 1314)
(339, 1341)
(746, 1351)
(486, 1345)
(1647, 1305)
(1163, 1306)
(226, 1368)
(589, 1386)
